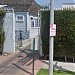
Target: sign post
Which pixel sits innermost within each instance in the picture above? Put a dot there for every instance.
(51, 39)
(33, 53)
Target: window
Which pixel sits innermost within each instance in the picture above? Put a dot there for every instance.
(34, 22)
(19, 18)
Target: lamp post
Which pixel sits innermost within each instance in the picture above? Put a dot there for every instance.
(33, 47)
(51, 39)
(39, 34)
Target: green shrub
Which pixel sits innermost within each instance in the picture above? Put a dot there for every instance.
(64, 43)
(45, 31)
(2, 37)
(64, 40)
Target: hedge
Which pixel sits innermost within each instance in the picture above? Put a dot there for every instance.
(45, 31)
(64, 41)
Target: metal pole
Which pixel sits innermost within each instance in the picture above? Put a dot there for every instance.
(20, 38)
(51, 39)
(39, 32)
(33, 53)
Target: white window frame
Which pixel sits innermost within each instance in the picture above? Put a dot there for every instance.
(34, 26)
(17, 18)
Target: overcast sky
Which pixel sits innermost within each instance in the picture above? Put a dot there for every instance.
(57, 3)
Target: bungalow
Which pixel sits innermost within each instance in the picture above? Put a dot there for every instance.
(20, 22)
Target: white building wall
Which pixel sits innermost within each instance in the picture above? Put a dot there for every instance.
(71, 6)
(34, 34)
(20, 26)
(28, 22)
(9, 44)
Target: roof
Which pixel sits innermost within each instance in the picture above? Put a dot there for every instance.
(16, 1)
(68, 3)
(22, 5)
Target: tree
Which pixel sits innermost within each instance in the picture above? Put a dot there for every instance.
(2, 37)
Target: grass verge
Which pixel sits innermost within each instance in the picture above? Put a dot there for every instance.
(55, 72)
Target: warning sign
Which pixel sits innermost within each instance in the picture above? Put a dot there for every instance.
(52, 29)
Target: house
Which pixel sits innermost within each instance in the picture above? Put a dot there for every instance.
(68, 5)
(18, 23)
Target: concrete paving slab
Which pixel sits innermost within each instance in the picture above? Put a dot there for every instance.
(65, 66)
(20, 63)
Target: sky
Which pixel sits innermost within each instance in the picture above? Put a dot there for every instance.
(57, 3)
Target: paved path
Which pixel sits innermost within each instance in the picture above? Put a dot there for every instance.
(65, 66)
(20, 63)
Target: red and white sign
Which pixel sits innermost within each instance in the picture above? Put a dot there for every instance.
(52, 29)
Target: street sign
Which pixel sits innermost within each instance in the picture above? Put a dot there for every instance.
(52, 29)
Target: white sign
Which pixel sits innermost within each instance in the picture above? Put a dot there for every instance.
(52, 29)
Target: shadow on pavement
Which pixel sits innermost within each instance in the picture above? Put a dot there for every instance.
(23, 69)
(23, 62)
(55, 66)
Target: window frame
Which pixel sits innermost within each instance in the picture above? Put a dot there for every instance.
(19, 20)
(35, 24)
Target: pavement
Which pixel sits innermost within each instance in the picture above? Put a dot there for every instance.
(21, 63)
(65, 66)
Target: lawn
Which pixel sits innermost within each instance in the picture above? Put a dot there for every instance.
(45, 72)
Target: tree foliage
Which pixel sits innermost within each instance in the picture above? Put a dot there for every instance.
(2, 37)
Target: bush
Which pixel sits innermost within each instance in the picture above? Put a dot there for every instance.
(64, 40)
(45, 31)
(2, 37)
(64, 43)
